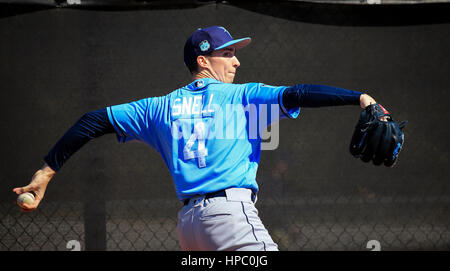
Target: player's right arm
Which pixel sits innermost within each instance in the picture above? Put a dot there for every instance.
(308, 95)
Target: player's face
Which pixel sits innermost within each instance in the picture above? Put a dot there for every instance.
(223, 64)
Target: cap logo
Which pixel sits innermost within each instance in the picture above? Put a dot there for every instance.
(204, 46)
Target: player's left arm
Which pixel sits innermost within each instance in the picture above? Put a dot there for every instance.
(91, 125)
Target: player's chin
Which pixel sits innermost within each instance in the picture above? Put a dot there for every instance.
(230, 78)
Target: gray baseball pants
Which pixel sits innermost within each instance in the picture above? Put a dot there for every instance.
(223, 223)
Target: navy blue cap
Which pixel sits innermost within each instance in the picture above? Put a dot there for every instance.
(206, 40)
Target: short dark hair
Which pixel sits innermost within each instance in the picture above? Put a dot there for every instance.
(193, 68)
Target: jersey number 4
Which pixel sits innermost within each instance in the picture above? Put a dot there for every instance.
(199, 135)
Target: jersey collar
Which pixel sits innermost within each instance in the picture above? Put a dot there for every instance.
(202, 83)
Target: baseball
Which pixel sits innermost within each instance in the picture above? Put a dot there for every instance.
(27, 198)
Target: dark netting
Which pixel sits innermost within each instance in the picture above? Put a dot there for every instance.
(59, 63)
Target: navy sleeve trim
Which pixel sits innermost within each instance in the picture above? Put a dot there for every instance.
(282, 107)
(121, 135)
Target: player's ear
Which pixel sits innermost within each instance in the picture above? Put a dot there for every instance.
(202, 62)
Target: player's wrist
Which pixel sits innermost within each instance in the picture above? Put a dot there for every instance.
(47, 171)
(365, 100)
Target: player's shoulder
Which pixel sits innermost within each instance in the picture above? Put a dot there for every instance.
(228, 87)
(206, 85)
(245, 90)
(257, 85)
(152, 102)
(240, 86)
(260, 88)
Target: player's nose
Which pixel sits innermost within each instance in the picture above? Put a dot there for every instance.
(236, 62)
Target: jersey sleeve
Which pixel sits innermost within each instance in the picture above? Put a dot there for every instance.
(133, 121)
(261, 95)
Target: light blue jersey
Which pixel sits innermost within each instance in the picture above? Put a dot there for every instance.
(209, 133)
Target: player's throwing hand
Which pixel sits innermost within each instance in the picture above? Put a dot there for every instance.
(37, 186)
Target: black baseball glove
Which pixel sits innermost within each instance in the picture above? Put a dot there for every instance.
(377, 137)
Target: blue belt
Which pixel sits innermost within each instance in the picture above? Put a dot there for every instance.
(220, 193)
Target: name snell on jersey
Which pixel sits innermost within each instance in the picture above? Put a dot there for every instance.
(192, 105)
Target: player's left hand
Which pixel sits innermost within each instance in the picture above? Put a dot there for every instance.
(37, 186)
(377, 137)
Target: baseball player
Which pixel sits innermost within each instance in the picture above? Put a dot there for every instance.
(209, 135)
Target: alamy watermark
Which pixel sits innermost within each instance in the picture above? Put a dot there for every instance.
(232, 121)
